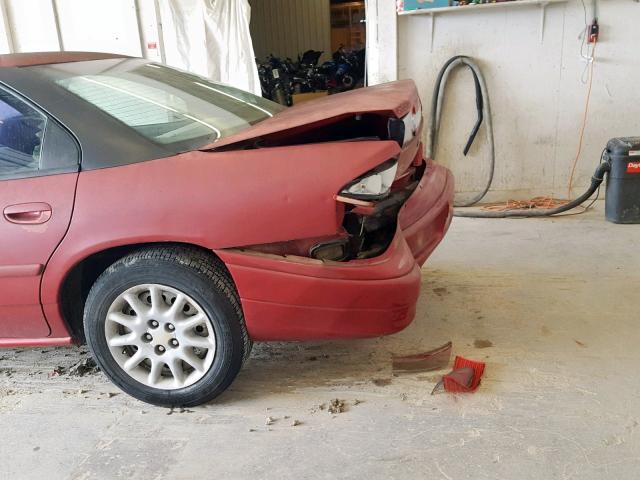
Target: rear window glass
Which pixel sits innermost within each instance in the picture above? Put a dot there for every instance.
(166, 105)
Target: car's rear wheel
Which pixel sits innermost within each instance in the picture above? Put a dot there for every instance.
(165, 325)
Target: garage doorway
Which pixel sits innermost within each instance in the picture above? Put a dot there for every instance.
(305, 50)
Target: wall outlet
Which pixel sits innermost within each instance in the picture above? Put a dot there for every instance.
(594, 31)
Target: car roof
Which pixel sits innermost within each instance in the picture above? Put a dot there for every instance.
(104, 141)
(50, 58)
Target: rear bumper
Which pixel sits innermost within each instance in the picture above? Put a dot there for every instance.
(296, 298)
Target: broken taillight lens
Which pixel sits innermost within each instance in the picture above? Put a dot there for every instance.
(374, 184)
(404, 129)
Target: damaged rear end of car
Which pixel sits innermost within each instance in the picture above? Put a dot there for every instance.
(358, 276)
(369, 204)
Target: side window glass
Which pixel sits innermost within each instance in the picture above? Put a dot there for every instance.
(22, 130)
(60, 151)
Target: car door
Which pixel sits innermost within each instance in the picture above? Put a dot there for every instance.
(38, 172)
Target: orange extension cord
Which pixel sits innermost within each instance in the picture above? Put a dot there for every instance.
(549, 202)
(584, 120)
(537, 202)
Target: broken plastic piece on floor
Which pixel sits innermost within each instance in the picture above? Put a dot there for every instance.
(424, 362)
(465, 376)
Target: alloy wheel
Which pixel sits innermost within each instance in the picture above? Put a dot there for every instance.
(160, 336)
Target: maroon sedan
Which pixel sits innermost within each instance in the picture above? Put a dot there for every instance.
(171, 221)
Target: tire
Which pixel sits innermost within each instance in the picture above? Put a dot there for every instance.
(185, 354)
(348, 82)
(279, 96)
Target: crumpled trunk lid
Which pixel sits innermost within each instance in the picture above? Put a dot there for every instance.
(393, 99)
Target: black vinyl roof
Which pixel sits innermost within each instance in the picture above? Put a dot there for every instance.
(105, 142)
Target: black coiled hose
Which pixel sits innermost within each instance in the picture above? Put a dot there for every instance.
(596, 181)
(484, 114)
(483, 107)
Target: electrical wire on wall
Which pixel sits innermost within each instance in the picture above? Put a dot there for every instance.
(584, 121)
(587, 56)
(588, 38)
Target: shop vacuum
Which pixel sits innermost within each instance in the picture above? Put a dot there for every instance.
(622, 201)
(620, 160)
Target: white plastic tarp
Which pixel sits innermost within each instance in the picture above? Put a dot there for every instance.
(211, 38)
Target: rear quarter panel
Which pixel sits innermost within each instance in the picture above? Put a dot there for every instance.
(215, 200)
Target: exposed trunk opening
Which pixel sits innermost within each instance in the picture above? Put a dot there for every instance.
(372, 230)
(366, 230)
(351, 127)
(390, 100)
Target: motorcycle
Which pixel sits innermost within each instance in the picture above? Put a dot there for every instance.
(344, 70)
(274, 81)
(280, 79)
(307, 77)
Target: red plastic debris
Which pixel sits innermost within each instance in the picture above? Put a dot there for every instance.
(435, 359)
(465, 376)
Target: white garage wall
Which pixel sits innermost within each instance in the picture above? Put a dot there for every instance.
(105, 26)
(536, 93)
(38, 16)
(208, 37)
(96, 25)
(5, 43)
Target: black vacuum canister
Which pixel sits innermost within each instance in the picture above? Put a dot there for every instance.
(623, 182)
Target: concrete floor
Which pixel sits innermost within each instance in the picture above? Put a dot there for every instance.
(559, 399)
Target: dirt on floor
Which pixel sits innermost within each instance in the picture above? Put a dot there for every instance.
(553, 319)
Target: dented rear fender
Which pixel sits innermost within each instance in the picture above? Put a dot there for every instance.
(223, 199)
